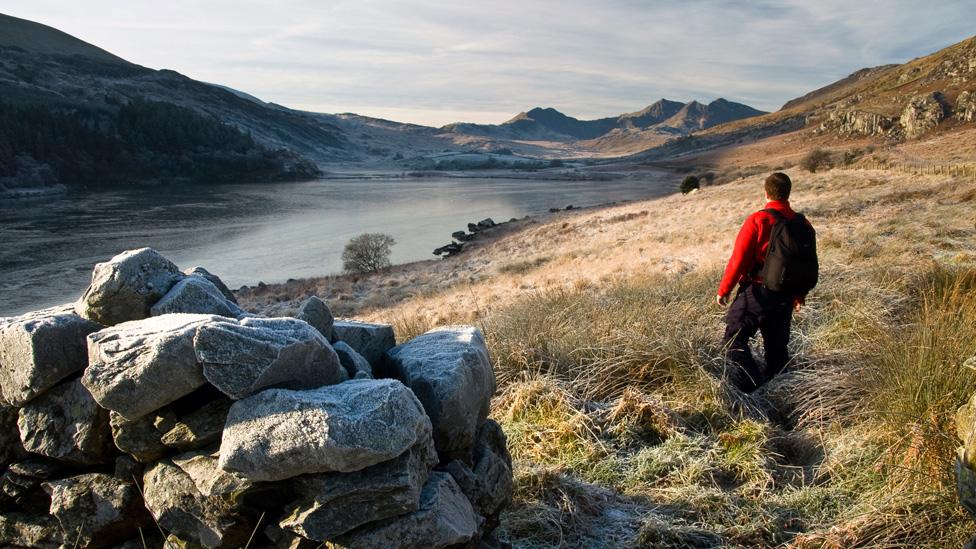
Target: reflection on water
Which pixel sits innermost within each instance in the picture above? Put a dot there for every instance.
(268, 232)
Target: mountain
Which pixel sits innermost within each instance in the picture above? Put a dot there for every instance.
(661, 117)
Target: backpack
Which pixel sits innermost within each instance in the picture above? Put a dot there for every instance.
(791, 264)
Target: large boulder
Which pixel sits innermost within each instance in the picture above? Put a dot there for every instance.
(66, 424)
(356, 365)
(126, 286)
(138, 367)
(215, 280)
(96, 510)
(196, 295)
(488, 482)
(39, 349)
(450, 372)
(180, 509)
(368, 339)
(241, 358)
(331, 504)
(445, 519)
(280, 433)
(317, 313)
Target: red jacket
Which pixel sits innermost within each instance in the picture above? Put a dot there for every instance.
(750, 247)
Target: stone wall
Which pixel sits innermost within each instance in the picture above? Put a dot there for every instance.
(155, 410)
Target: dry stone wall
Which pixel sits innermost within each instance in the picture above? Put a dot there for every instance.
(155, 410)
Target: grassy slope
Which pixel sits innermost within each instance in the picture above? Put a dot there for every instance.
(605, 340)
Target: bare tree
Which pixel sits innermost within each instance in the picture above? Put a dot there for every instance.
(367, 253)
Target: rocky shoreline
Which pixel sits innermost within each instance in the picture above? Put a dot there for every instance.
(156, 411)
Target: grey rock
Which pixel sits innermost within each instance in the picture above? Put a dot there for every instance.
(128, 469)
(922, 113)
(368, 339)
(210, 480)
(215, 280)
(96, 510)
(335, 503)
(488, 484)
(66, 424)
(317, 313)
(180, 509)
(196, 295)
(279, 433)
(241, 358)
(285, 539)
(450, 372)
(126, 286)
(353, 362)
(445, 519)
(138, 367)
(34, 531)
(39, 349)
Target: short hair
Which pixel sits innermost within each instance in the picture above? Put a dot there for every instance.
(778, 186)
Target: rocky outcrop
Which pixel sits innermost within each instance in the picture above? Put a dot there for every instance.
(127, 286)
(279, 434)
(966, 106)
(39, 349)
(450, 372)
(239, 431)
(856, 122)
(922, 113)
(368, 339)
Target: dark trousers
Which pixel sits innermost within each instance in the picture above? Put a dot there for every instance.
(757, 309)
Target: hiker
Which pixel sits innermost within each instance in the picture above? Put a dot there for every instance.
(774, 264)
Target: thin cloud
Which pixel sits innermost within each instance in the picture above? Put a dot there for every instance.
(434, 62)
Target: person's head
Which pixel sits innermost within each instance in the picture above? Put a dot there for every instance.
(778, 186)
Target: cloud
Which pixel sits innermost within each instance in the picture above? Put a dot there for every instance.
(436, 61)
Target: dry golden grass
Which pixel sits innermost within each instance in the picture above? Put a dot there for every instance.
(605, 340)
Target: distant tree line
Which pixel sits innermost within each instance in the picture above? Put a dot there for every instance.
(135, 142)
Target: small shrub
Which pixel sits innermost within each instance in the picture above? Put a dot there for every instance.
(367, 253)
(690, 183)
(816, 159)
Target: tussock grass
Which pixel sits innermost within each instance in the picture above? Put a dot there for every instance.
(621, 388)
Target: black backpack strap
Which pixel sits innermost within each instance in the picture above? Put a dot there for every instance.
(775, 213)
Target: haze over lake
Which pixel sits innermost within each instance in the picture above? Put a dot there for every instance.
(262, 232)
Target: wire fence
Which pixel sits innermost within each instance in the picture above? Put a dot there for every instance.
(918, 168)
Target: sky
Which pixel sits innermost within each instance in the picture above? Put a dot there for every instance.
(435, 62)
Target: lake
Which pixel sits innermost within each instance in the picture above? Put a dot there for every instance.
(262, 232)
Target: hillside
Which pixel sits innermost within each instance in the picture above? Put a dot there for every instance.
(930, 96)
(605, 338)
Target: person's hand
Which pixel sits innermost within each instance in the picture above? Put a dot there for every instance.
(797, 305)
(722, 300)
